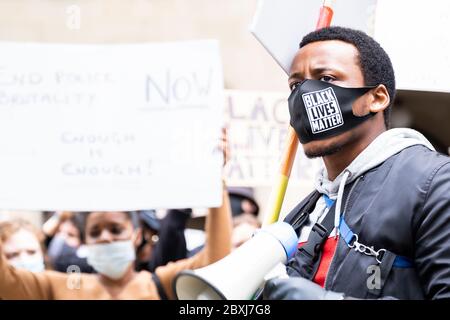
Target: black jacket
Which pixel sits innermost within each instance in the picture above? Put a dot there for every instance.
(402, 205)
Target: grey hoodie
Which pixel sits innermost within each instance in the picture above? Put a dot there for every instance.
(384, 146)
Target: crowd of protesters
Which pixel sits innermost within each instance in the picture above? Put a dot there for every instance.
(110, 251)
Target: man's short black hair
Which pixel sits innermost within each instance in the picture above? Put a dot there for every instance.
(375, 64)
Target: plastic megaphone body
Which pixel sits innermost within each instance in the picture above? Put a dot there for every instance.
(240, 274)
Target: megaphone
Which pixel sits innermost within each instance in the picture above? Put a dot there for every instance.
(240, 274)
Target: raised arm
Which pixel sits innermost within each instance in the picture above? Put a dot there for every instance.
(218, 245)
(21, 284)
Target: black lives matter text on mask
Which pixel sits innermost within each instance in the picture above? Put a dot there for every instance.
(323, 110)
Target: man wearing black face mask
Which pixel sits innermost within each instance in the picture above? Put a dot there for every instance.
(378, 223)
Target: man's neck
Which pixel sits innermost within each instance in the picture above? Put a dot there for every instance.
(336, 163)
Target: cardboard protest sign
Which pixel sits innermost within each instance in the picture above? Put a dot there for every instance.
(110, 127)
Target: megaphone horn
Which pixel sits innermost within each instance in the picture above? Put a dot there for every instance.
(239, 275)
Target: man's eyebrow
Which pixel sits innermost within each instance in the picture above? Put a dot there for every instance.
(322, 69)
(315, 71)
(296, 75)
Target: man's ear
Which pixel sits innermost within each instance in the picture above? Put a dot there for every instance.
(379, 99)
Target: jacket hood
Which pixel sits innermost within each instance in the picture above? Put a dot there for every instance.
(383, 147)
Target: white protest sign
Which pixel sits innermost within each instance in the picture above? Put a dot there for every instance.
(110, 127)
(280, 25)
(415, 34)
(257, 124)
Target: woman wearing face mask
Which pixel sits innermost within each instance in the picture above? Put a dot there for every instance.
(64, 232)
(22, 245)
(111, 239)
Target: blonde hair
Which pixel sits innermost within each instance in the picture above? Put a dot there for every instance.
(8, 228)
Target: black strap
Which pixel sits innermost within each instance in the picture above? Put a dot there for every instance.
(161, 291)
(307, 258)
(300, 218)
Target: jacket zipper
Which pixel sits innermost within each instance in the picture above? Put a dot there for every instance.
(344, 210)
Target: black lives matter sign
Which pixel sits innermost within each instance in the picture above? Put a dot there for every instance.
(323, 110)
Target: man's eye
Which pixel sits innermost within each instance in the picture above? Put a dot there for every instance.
(326, 78)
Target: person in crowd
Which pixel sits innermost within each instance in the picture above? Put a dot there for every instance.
(22, 245)
(111, 239)
(65, 224)
(245, 214)
(150, 226)
(163, 240)
(64, 238)
(378, 224)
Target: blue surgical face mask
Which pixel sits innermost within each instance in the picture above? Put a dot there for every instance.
(31, 263)
(320, 110)
(111, 259)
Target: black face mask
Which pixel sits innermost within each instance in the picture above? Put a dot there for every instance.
(320, 110)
